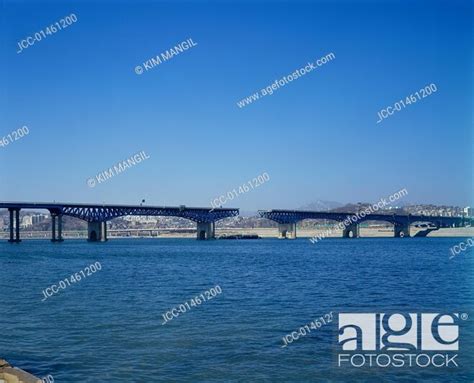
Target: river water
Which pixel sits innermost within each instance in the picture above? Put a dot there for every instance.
(107, 327)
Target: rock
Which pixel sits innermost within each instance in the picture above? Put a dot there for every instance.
(8, 374)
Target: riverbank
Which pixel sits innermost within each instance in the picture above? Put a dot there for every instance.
(369, 232)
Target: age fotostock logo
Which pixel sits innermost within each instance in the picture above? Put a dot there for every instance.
(398, 339)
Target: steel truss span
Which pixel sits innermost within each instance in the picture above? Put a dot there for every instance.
(98, 215)
(293, 216)
(103, 213)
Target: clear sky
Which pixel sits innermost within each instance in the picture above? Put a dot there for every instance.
(317, 138)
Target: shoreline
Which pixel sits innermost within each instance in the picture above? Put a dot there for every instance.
(365, 232)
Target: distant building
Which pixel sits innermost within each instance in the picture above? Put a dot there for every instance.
(468, 211)
(37, 218)
(141, 219)
(26, 221)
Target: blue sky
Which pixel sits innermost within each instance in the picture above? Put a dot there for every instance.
(317, 137)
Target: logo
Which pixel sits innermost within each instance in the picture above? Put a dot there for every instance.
(398, 339)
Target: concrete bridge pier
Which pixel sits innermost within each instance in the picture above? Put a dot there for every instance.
(14, 225)
(60, 228)
(56, 221)
(97, 231)
(287, 230)
(401, 230)
(206, 230)
(11, 226)
(351, 231)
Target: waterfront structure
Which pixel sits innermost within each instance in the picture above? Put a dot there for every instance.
(98, 215)
(287, 220)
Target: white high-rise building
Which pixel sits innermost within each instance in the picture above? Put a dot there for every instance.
(26, 221)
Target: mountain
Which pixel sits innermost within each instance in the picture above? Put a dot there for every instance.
(321, 205)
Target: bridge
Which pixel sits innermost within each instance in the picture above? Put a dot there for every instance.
(287, 220)
(97, 216)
